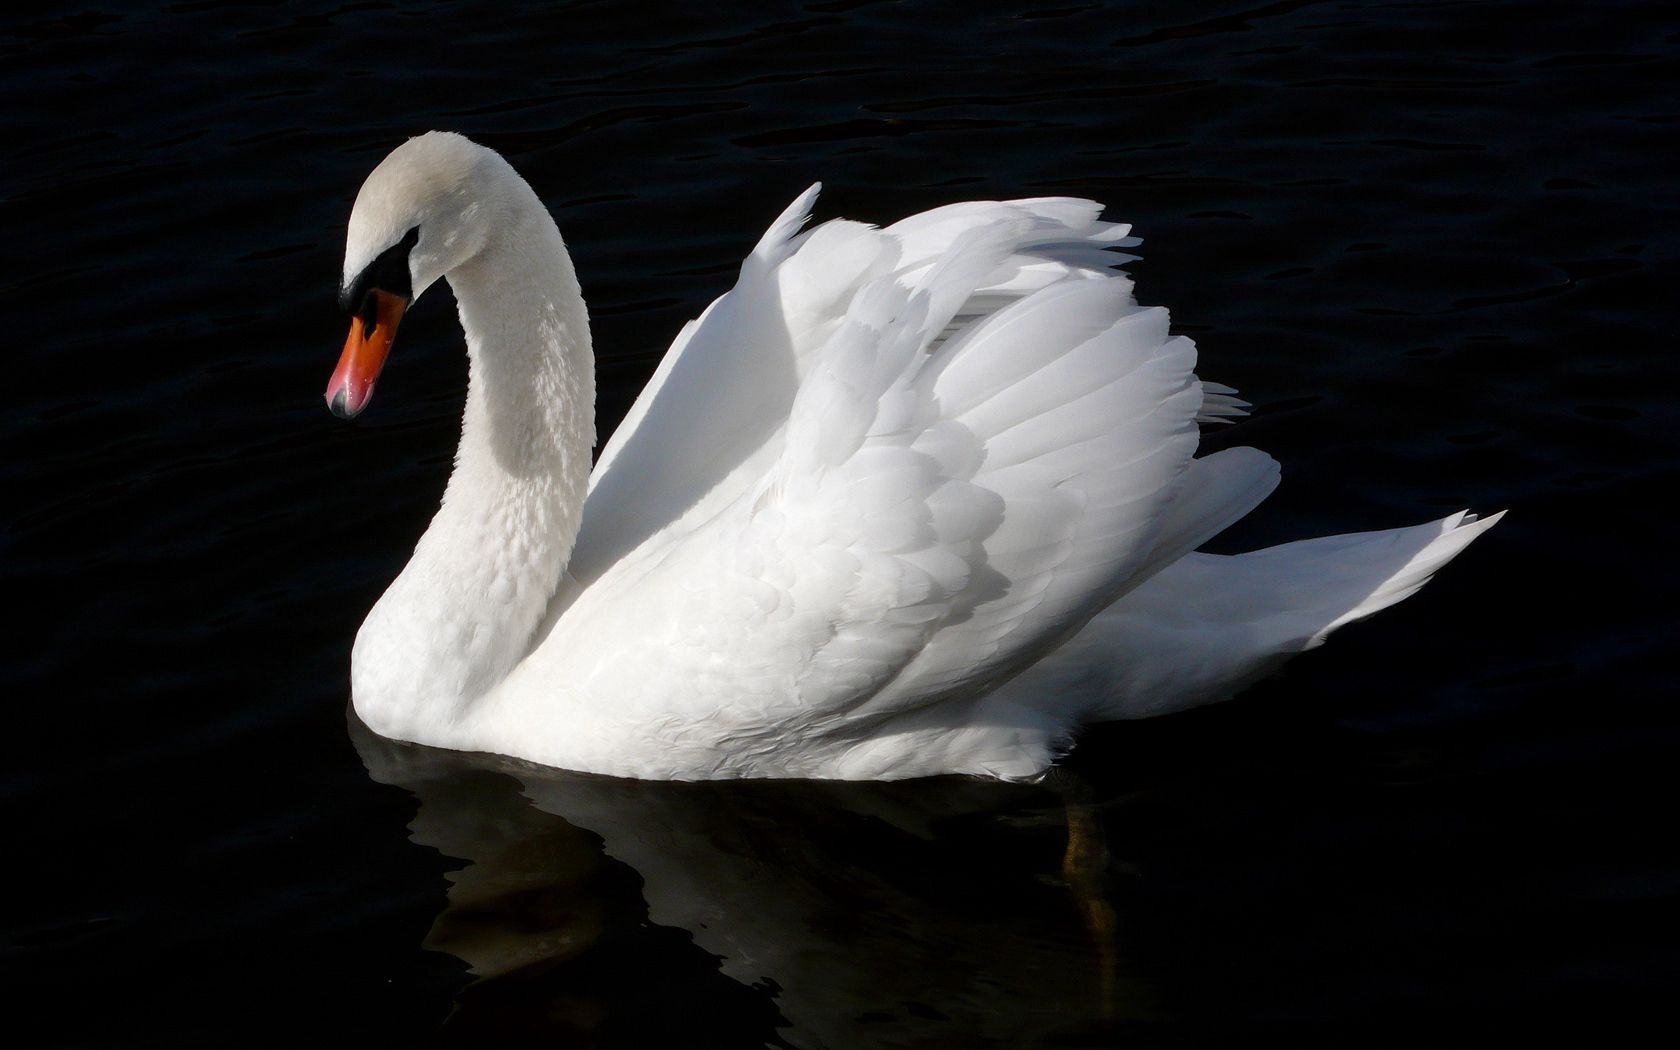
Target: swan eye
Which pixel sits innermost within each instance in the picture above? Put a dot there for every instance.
(389, 272)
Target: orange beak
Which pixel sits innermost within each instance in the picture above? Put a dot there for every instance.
(351, 386)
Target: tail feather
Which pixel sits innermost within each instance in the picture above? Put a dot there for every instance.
(1207, 626)
(1455, 533)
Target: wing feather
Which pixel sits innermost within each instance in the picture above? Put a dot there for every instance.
(888, 466)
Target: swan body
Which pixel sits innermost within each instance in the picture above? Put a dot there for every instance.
(903, 502)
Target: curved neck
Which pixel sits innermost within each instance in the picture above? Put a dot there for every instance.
(462, 613)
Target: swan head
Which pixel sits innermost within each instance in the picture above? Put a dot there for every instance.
(425, 210)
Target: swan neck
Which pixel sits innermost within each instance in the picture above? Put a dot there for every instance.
(529, 419)
(462, 613)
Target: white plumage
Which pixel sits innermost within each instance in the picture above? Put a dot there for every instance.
(905, 501)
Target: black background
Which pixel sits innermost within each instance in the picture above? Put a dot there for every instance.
(1433, 242)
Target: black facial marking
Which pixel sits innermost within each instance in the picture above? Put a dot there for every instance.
(389, 272)
(369, 314)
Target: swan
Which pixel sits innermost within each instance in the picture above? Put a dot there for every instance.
(905, 501)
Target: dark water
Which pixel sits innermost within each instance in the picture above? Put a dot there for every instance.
(1435, 242)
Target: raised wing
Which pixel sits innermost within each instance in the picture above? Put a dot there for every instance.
(707, 425)
(983, 438)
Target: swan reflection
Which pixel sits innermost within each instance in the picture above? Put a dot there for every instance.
(802, 913)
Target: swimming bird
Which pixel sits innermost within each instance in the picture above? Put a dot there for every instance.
(905, 501)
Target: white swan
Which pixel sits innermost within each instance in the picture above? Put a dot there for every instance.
(905, 501)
